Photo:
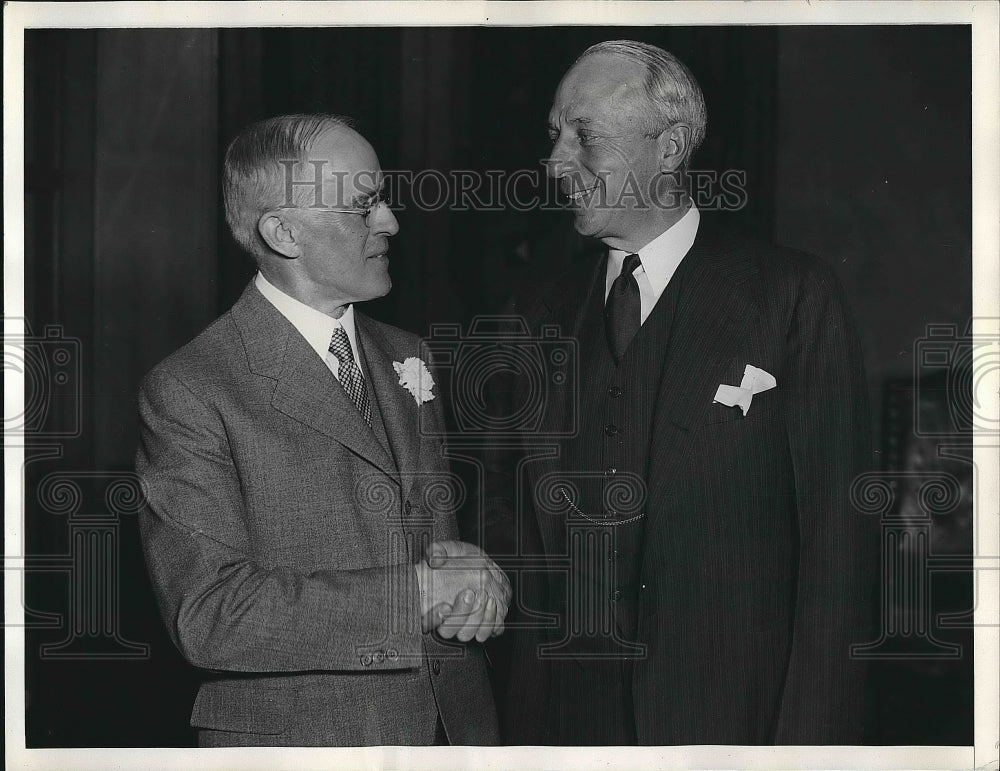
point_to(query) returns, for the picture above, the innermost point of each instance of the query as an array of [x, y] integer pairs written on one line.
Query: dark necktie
[[622, 312], [349, 374]]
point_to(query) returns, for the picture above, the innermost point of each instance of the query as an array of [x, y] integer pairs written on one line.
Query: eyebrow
[[361, 199], [581, 121]]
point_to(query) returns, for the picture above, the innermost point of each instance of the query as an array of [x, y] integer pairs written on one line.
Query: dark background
[[856, 142]]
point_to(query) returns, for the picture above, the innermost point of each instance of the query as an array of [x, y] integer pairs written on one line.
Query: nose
[[384, 221], [561, 159]]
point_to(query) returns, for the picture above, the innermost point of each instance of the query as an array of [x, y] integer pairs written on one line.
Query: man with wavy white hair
[[299, 530], [704, 574]]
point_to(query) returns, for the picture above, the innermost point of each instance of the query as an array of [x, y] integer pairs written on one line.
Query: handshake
[[463, 593]]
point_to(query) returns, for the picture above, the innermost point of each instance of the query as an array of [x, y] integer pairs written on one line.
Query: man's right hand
[[463, 592]]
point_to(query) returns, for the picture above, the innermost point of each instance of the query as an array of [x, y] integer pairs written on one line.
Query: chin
[[381, 288], [380, 280], [585, 226]]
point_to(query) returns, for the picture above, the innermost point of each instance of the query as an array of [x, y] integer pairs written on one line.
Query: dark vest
[[607, 464]]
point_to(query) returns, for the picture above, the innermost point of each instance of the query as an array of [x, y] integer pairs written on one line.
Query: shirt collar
[[315, 326], [661, 256]]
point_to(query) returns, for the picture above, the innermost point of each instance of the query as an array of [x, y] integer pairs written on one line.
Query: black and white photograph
[[514, 385]]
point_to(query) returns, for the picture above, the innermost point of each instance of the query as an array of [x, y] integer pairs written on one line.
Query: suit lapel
[[713, 315], [396, 405], [305, 390]]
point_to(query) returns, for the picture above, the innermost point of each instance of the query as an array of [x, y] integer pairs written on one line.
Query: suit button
[[407, 508], [643, 587], [611, 429], [616, 595], [436, 667], [379, 657], [610, 471], [366, 660], [614, 392], [392, 654]]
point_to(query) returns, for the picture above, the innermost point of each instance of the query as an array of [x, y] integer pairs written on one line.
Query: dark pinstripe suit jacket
[[758, 572], [280, 534]]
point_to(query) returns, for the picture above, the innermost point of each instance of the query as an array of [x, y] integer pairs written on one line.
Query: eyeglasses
[[365, 211]]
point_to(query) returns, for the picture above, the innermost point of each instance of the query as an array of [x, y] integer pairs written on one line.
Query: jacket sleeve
[[223, 609], [828, 429]]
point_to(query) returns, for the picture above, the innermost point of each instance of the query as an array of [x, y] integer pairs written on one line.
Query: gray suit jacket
[[280, 534]]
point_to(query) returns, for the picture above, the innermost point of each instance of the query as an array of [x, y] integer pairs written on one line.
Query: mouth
[[579, 195]]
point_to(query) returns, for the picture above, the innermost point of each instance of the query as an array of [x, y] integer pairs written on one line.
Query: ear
[[278, 234], [673, 145]]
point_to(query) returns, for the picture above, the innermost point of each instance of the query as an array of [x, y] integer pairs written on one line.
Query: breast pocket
[[761, 403]]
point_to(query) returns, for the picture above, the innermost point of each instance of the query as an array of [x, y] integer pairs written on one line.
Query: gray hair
[[252, 176], [672, 92]]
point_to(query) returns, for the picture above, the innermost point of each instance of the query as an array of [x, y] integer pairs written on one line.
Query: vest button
[[610, 471], [616, 595], [614, 392], [611, 429], [436, 667]]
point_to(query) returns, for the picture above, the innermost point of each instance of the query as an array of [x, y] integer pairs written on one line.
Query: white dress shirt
[[659, 258], [315, 326]]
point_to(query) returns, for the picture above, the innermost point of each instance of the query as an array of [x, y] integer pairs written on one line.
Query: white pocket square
[[755, 380]]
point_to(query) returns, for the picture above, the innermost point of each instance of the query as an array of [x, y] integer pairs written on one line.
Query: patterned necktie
[[349, 374], [622, 312]]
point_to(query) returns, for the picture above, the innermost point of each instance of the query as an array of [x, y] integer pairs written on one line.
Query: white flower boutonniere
[[415, 378]]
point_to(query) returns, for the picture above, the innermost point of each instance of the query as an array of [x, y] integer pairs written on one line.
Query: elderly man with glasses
[[301, 548]]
